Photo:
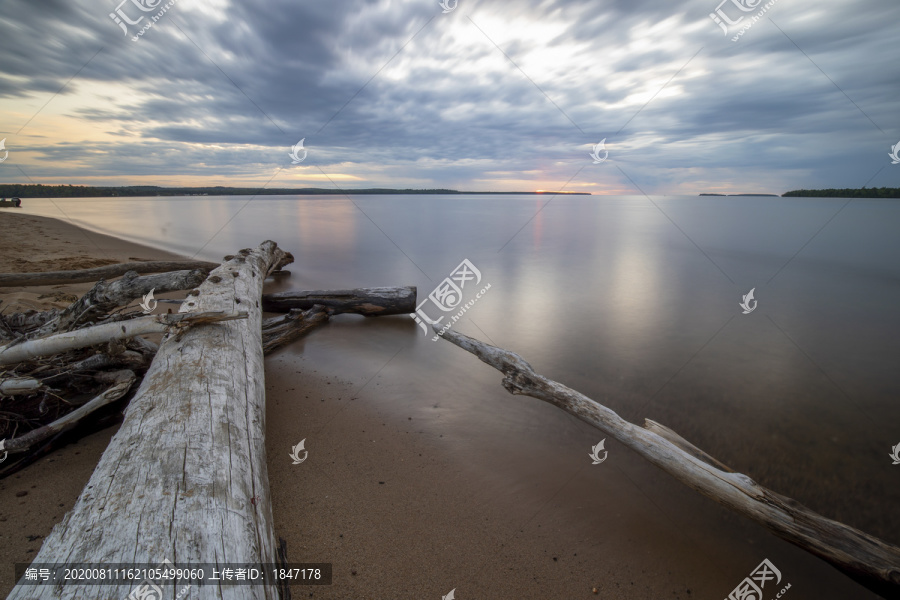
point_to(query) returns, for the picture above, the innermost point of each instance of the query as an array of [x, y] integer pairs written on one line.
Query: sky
[[469, 95]]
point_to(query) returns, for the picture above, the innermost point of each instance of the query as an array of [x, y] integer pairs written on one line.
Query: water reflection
[[608, 296]]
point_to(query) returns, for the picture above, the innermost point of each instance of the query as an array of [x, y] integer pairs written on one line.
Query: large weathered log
[[98, 334], [121, 380], [370, 302], [865, 558], [105, 297], [97, 273], [185, 477]]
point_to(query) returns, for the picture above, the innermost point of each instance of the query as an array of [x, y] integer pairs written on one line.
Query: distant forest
[[80, 191], [16, 190], [882, 192]]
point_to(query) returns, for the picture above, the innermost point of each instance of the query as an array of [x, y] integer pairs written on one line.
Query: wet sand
[[408, 506]]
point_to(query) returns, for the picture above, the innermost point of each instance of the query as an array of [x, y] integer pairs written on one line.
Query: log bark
[[864, 558], [122, 381], [105, 297], [369, 302], [100, 334], [184, 479], [26, 321], [129, 359], [97, 273]]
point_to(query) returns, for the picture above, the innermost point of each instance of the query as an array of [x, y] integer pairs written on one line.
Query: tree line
[[16, 190], [882, 192]]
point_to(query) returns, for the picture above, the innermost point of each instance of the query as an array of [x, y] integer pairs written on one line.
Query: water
[[632, 302]]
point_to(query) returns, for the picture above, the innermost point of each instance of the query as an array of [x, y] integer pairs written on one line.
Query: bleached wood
[[98, 334], [12, 386], [865, 558], [97, 273], [179, 478]]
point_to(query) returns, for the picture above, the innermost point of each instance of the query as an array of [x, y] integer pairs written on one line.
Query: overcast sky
[[488, 96]]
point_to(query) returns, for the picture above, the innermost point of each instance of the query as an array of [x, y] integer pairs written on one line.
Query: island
[[863, 192]]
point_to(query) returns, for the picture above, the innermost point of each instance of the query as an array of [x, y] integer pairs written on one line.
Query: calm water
[[631, 303]]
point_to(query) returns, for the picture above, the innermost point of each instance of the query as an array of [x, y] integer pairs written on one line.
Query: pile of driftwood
[[185, 478], [60, 367]]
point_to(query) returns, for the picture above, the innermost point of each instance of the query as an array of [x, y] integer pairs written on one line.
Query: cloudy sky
[[487, 96]]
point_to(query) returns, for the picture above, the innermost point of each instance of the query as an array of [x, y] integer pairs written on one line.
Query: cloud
[[397, 94]]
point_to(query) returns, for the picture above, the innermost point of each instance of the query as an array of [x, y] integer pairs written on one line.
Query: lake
[[631, 301]]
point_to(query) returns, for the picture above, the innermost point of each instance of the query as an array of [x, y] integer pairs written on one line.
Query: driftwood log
[[97, 273], [184, 479], [98, 334], [122, 381], [369, 302], [868, 560], [106, 297], [280, 331]]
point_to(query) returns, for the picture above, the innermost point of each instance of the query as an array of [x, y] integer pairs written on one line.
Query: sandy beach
[[387, 501]]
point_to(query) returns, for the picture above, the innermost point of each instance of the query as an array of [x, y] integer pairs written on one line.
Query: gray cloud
[[397, 92]]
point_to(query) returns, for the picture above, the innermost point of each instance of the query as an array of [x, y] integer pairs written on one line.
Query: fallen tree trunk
[[98, 334], [864, 558], [121, 380], [184, 479], [105, 297], [97, 273], [369, 302]]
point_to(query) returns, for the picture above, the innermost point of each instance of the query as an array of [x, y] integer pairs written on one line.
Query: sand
[[387, 503]]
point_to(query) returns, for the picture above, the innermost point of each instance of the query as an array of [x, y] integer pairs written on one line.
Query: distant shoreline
[[80, 191], [828, 193]]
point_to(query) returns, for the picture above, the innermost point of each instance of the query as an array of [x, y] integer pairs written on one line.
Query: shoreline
[[404, 505]]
